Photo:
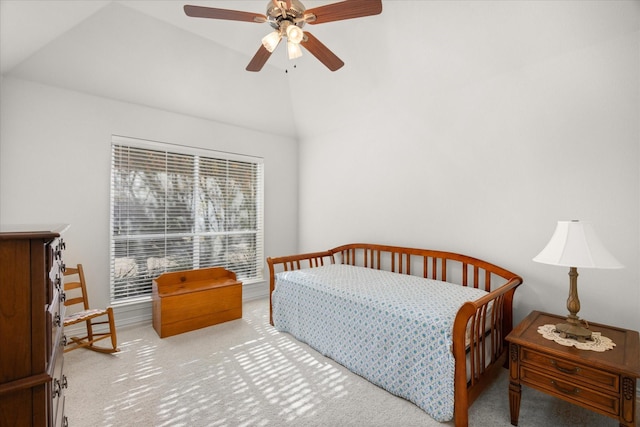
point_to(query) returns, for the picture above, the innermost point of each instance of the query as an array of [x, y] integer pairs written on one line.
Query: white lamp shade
[[575, 244]]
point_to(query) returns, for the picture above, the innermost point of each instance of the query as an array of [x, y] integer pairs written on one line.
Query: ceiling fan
[[287, 17]]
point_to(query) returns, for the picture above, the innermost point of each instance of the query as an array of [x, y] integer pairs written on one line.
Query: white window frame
[[132, 270]]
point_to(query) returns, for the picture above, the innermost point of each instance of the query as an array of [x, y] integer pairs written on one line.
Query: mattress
[[395, 330]]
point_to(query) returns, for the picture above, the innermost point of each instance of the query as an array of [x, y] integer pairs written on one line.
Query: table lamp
[[575, 244]]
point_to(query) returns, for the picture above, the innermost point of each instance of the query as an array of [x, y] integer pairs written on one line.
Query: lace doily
[[597, 342]]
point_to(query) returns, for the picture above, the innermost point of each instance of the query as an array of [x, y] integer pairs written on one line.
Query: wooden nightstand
[[604, 382]]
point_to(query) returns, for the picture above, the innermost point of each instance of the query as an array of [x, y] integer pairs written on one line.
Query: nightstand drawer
[[570, 391], [576, 373]]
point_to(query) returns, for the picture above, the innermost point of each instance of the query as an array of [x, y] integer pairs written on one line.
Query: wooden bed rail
[[436, 265], [296, 262]]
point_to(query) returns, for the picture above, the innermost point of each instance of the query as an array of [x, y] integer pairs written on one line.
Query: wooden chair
[[76, 294]]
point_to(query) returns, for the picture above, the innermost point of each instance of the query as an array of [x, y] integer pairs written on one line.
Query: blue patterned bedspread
[[392, 329]]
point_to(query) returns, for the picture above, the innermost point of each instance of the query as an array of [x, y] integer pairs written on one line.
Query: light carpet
[[245, 373]]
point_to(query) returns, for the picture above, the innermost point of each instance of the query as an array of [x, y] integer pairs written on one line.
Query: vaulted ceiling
[[149, 53]]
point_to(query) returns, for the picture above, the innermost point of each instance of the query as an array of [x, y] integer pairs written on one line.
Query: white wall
[[474, 127], [486, 165], [55, 150]]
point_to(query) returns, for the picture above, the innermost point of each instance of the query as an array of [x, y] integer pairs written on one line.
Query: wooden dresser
[[32, 381]]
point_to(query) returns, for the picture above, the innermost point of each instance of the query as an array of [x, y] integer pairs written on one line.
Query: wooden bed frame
[[449, 267]]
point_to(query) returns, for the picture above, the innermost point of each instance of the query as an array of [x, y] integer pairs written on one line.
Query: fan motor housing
[[275, 14]]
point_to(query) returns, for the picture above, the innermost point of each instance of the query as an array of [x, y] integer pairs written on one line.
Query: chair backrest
[[75, 290]]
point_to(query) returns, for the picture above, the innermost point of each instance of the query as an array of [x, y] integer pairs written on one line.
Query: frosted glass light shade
[[271, 40], [294, 50], [294, 34], [575, 244]]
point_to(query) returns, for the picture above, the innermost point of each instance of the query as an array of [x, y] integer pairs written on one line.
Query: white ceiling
[[149, 52]]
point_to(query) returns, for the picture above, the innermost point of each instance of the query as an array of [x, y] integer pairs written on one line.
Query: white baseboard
[[253, 291]]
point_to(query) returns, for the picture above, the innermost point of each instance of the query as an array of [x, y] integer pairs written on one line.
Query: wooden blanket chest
[[192, 299]]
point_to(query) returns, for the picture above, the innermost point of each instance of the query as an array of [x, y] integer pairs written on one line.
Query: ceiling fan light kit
[[288, 17]]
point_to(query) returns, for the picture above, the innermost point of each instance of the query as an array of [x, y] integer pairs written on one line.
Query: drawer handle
[[57, 390], [564, 390], [565, 370]]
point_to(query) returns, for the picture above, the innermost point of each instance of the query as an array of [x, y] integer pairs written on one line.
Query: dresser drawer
[[58, 384], [576, 373], [55, 266], [55, 318]]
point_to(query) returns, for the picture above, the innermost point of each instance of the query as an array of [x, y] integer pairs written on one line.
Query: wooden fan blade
[[259, 59], [347, 9], [321, 52], [231, 15]]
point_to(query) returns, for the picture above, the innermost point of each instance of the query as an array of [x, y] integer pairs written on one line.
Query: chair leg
[[112, 329], [89, 330]]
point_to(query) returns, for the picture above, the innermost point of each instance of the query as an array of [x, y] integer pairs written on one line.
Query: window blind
[[176, 208]]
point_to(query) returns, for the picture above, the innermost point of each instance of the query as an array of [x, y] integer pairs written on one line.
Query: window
[[176, 208]]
